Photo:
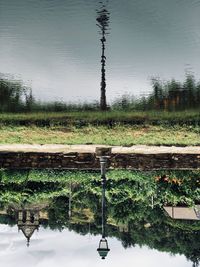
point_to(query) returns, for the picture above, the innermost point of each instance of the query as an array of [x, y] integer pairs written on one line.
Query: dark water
[[146, 218], [54, 45]]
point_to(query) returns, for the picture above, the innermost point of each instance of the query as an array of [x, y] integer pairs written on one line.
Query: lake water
[[54, 46], [57, 218]]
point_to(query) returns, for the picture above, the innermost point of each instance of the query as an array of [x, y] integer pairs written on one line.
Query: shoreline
[[84, 157], [60, 148]]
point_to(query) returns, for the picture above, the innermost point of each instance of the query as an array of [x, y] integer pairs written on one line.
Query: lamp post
[[103, 243], [28, 222], [103, 248], [70, 201], [103, 162], [103, 23]]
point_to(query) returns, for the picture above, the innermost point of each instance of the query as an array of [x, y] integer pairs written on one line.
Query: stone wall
[[78, 160]]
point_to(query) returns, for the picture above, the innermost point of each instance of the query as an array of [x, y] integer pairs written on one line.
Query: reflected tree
[[14, 95], [102, 19]]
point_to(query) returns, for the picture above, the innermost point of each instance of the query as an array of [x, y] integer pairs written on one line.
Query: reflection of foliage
[[129, 195], [170, 95], [12, 95]]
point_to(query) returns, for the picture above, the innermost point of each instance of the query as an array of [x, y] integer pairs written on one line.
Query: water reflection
[[49, 43], [103, 17]]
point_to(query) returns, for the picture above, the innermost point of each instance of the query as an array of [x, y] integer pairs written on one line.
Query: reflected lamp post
[[102, 19], [103, 243]]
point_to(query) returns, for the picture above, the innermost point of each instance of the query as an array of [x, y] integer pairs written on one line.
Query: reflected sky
[[54, 45], [54, 248]]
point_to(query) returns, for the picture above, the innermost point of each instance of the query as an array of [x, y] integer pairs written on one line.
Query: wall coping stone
[[87, 157], [137, 149]]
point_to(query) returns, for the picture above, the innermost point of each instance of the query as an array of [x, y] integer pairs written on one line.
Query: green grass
[[125, 135], [109, 128], [106, 118]]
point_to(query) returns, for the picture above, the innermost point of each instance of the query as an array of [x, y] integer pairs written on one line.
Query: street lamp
[[103, 243], [103, 248], [28, 222], [103, 162], [103, 24]]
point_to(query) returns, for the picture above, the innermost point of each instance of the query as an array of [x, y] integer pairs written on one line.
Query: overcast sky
[[54, 45], [54, 248]]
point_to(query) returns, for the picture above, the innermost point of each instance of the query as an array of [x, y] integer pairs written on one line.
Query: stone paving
[[141, 149]]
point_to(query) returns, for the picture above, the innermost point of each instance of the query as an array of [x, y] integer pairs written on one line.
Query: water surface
[[55, 47]]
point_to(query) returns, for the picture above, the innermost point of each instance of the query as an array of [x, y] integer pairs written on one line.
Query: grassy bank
[[111, 118], [109, 128], [125, 135]]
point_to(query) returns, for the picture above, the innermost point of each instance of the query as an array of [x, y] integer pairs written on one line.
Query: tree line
[[15, 96], [165, 96], [173, 95]]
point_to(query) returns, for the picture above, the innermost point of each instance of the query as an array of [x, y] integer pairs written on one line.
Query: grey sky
[[54, 248], [54, 45]]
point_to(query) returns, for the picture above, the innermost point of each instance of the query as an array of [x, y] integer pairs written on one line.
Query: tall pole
[[102, 23], [103, 104], [103, 244], [103, 161], [70, 201]]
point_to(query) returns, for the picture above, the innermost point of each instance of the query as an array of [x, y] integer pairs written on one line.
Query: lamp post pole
[[103, 244], [103, 17], [103, 162]]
